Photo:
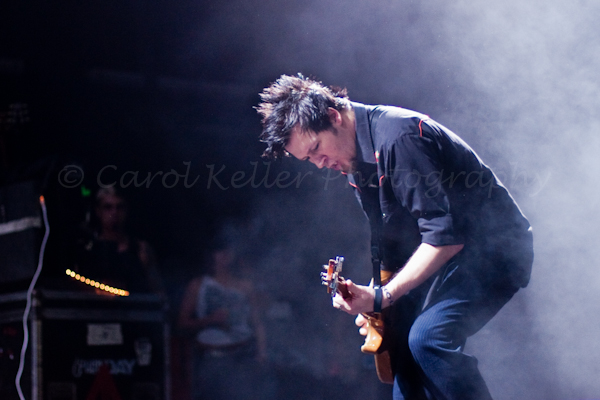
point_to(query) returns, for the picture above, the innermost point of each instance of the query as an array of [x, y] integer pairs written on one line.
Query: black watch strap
[[378, 299]]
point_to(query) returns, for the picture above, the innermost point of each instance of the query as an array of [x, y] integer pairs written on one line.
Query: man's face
[[332, 148], [111, 212]]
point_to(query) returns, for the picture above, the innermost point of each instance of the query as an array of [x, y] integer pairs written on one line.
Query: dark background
[[157, 86]]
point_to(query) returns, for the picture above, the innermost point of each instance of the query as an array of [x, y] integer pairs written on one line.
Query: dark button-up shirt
[[433, 188]]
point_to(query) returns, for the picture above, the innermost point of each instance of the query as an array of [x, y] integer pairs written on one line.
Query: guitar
[[375, 342]]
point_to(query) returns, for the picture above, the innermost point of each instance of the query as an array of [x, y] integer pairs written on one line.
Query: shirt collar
[[364, 140]]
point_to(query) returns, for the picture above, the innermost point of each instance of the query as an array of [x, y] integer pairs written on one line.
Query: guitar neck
[[375, 326]]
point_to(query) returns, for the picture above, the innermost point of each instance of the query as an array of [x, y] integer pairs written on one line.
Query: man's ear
[[334, 116]]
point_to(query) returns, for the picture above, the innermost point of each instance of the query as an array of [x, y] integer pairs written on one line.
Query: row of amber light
[[98, 285]]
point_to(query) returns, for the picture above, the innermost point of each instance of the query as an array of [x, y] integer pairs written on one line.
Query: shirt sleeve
[[413, 168]]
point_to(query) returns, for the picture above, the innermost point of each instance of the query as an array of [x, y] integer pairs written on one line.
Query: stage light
[[101, 286]]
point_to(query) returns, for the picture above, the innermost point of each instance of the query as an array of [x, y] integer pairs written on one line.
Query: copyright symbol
[[70, 176]]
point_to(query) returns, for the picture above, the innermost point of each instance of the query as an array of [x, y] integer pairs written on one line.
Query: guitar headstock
[[331, 276]]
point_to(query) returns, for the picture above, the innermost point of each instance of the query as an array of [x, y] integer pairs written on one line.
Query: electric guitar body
[[377, 340]]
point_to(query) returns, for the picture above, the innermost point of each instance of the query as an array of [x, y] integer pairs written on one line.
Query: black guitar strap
[[369, 198], [367, 183]]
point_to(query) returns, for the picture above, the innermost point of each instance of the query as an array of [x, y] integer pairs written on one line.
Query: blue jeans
[[431, 327]]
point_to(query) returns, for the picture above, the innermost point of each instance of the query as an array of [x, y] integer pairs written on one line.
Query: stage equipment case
[[85, 346]]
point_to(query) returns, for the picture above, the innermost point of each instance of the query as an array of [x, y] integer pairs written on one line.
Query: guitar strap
[[366, 180]]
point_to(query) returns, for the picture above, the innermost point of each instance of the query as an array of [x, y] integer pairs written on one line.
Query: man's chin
[[350, 169]]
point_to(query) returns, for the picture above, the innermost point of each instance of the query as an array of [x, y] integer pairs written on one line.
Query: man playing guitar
[[430, 199]]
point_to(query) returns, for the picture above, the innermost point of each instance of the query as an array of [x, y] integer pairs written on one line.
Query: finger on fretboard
[[343, 289]]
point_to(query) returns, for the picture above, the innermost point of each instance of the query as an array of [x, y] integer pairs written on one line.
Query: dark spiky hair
[[295, 100]]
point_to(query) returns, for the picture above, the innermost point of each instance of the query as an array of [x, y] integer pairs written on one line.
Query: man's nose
[[320, 162]]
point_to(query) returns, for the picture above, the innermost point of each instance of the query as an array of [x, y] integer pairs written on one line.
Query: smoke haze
[[518, 81]]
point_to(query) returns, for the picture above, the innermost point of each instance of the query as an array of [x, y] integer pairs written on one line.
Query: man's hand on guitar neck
[[426, 260], [360, 298]]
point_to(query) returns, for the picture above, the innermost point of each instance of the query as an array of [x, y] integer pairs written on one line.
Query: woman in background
[[220, 311]]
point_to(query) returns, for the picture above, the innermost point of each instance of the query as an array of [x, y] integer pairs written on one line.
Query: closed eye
[[311, 152], [314, 150]]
